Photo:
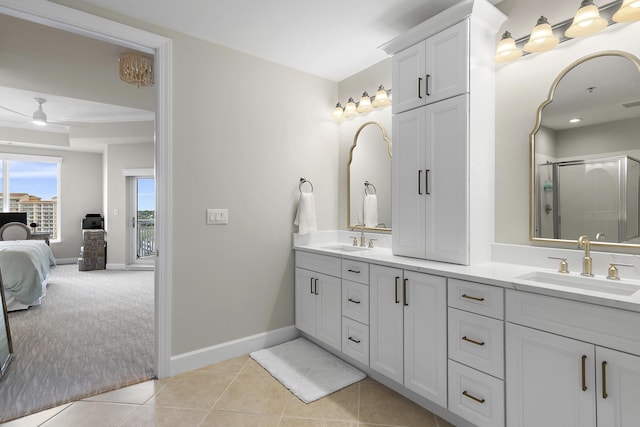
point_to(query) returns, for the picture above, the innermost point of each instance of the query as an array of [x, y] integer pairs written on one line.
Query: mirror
[[369, 179], [6, 347], [585, 154]]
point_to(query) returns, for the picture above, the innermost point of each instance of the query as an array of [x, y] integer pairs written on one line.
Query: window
[[31, 184]]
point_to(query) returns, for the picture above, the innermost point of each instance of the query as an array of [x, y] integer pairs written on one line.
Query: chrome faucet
[[586, 261]]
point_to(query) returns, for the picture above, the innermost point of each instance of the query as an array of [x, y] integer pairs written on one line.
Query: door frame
[[78, 22]]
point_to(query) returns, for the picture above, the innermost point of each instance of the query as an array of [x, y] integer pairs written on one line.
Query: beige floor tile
[[193, 390], [135, 394], [156, 416], [231, 366], [341, 405], [380, 405], [306, 422], [254, 394], [232, 419], [443, 423], [94, 414], [37, 418], [254, 368]]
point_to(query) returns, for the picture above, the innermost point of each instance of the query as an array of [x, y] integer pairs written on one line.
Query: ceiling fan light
[[629, 11], [587, 21], [39, 116], [542, 38]]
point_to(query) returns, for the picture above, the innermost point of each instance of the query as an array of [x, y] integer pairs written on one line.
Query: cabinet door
[[305, 301], [386, 322], [447, 171], [618, 388], [408, 180], [550, 380], [447, 63], [408, 78], [329, 310], [425, 335]]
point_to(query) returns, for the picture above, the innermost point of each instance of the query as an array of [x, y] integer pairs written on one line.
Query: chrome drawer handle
[[354, 340], [470, 396], [354, 301], [354, 271], [472, 297], [472, 341]]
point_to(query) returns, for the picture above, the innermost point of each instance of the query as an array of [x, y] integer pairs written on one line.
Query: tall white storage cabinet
[[443, 135]]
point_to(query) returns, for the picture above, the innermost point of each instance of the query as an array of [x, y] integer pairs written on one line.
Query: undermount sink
[[347, 248], [612, 287]]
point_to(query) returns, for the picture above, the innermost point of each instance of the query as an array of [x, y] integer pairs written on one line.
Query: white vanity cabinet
[[434, 69], [559, 371], [443, 134], [408, 342], [318, 294], [476, 352], [355, 310]]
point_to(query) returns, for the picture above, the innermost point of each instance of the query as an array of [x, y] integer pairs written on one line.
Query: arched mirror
[[585, 153], [369, 179]]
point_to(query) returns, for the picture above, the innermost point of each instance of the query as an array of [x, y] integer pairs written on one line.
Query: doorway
[[141, 248]]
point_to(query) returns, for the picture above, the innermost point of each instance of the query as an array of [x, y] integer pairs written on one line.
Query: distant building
[[42, 212]]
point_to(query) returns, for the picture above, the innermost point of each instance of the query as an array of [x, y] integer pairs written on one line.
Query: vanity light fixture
[[589, 19], [629, 11], [507, 50], [586, 21], [366, 104], [542, 38]]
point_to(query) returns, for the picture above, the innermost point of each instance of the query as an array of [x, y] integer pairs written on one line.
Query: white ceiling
[[329, 38]]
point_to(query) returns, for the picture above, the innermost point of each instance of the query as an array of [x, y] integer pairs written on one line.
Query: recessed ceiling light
[[575, 120]]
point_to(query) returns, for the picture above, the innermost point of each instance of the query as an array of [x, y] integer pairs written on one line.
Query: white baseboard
[[221, 352], [115, 266]]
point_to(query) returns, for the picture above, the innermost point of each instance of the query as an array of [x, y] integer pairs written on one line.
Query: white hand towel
[[370, 210], [306, 216]]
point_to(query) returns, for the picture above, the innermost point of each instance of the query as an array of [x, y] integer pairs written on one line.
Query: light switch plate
[[217, 216]]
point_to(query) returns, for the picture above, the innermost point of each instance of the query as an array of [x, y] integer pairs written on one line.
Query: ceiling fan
[[39, 117]]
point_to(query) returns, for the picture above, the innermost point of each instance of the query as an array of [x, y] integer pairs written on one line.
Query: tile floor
[[237, 392]]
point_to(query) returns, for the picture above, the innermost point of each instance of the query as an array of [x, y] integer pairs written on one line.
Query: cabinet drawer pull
[[404, 292], [427, 84], [426, 181], [397, 300], [419, 88], [353, 301], [472, 341], [354, 340], [311, 285], [584, 374], [420, 182], [470, 396], [354, 271], [472, 297], [604, 380], [316, 283]]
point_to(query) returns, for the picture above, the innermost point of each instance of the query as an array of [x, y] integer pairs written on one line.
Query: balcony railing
[[146, 238]]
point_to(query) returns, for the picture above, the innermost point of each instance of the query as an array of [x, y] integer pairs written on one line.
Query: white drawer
[[476, 297], [605, 326], [476, 397], [321, 263], [355, 301], [477, 341], [356, 271], [355, 340]]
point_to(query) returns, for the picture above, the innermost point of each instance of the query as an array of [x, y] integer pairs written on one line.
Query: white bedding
[[24, 265]]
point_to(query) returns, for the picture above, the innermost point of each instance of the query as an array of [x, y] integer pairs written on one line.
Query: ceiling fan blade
[[16, 112]]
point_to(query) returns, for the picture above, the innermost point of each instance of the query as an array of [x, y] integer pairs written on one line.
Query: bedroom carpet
[[93, 333]]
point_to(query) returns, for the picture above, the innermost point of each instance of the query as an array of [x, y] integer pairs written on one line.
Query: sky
[[146, 194]]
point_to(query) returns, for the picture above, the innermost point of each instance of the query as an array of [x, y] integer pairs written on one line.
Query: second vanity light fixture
[[366, 104], [586, 21]]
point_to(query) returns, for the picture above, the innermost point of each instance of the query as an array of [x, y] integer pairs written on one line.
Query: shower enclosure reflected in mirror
[[6, 347], [369, 179], [585, 177]]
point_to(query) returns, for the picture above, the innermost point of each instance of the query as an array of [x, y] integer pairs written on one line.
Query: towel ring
[[302, 181], [367, 184]]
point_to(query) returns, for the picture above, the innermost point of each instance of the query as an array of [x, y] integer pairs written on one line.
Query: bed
[[25, 266]]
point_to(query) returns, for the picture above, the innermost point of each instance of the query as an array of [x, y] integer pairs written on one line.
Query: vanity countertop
[[506, 275]]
